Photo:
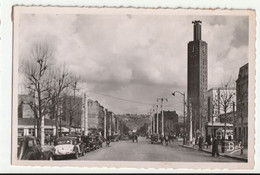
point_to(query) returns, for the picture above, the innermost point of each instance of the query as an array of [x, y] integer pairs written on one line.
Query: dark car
[[155, 138], [93, 143], [86, 140], [29, 148]]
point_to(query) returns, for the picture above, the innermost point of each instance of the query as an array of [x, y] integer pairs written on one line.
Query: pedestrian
[[208, 141], [200, 143], [223, 144], [215, 147], [166, 140], [193, 142], [161, 138]]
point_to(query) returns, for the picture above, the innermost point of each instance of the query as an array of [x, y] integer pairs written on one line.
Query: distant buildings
[[241, 124], [197, 80]]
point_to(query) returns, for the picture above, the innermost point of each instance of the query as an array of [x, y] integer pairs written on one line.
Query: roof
[[30, 121]]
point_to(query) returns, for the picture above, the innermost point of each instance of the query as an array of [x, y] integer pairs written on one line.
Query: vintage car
[[29, 148], [155, 138], [68, 146]]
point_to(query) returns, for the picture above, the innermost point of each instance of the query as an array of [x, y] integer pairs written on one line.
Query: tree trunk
[[225, 125], [38, 128]]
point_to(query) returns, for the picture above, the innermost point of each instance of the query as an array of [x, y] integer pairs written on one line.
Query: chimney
[[197, 30]]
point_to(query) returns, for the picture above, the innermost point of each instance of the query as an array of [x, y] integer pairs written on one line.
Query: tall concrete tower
[[197, 80]]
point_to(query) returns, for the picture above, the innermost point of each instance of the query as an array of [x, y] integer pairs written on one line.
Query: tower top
[[197, 30], [196, 22]]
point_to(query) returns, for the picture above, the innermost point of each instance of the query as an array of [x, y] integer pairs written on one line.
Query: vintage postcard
[[132, 87]]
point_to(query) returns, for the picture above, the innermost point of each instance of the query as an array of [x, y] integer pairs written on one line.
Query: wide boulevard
[[143, 150]]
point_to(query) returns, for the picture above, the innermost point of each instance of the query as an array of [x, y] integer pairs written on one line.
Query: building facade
[[197, 80], [241, 124], [72, 110], [93, 114], [24, 109]]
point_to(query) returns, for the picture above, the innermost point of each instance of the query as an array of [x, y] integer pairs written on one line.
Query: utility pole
[[234, 121], [105, 123], [162, 100], [82, 116], [184, 115], [155, 109], [85, 115]]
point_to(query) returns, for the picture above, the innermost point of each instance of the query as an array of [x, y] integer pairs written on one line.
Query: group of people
[[209, 142], [166, 139]]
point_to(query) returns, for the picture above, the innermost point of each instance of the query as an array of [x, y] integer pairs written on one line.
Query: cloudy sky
[[136, 57]]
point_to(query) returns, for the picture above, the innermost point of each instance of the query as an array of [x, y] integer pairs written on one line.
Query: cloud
[[138, 57]]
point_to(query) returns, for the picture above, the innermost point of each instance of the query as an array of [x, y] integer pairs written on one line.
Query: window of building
[[31, 131]]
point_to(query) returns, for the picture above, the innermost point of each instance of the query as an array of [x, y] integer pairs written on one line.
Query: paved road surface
[[145, 151]]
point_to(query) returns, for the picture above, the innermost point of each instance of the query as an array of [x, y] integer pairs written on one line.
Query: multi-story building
[[109, 122], [101, 119], [93, 115], [24, 109], [72, 110], [241, 124], [197, 80]]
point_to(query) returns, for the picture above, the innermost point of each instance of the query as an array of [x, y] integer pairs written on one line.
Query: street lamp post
[[184, 118], [162, 100]]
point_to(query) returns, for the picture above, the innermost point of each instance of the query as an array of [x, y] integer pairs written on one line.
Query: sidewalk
[[234, 155]]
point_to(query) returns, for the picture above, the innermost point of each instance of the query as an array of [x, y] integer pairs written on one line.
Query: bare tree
[[61, 79], [44, 81], [223, 101], [73, 104], [36, 75]]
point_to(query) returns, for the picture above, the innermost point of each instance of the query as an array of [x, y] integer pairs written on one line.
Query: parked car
[[86, 140], [68, 146], [29, 148], [155, 138], [92, 143]]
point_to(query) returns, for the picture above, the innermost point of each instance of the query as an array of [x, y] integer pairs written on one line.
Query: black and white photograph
[[124, 86]]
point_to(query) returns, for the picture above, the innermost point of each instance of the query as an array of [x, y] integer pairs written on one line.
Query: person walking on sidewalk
[[223, 144], [215, 147], [200, 143]]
